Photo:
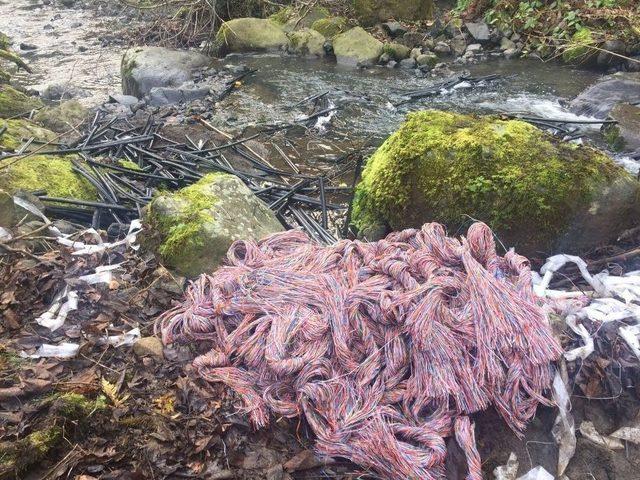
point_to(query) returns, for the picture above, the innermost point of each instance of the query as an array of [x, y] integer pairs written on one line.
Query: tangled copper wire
[[386, 348]]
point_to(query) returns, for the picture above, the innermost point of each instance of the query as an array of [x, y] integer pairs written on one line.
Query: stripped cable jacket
[[386, 347]]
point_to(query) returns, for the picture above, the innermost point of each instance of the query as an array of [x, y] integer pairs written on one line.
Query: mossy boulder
[[624, 135], [370, 12], [292, 19], [192, 229], [249, 34], [14, 103], [537, 193], [396, 51], [356, 47], [19, 131], [64, 117], [331, 26], [306, 42], [49, 173]]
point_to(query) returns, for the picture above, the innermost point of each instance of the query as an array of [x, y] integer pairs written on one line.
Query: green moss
[[129, 164], [283, 15], [580, 46], [182, 233], [331, 26], [396, 51], [249, 34], [19, 455], [52, 174], [306, 42], [14, 103], [4, 76], [64, 117], [613, 137], [18, 131], [441, 166], [73, 406], [4, 41]]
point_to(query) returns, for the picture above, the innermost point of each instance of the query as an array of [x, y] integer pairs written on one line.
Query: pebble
[[442, 48], [408, 63], [474, 48], [149, 347]]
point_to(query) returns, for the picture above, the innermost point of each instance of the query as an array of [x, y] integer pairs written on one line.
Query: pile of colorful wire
[[386, 348]]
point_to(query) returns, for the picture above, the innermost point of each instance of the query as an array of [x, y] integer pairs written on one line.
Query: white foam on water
[[629, 164], [531, 105], [322, 122]]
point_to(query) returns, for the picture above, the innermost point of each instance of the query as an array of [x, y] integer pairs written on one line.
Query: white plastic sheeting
[[616, 299], [612, 299], [64, 350], [125, 339], [563, 430], [538, 473], [65, 302]]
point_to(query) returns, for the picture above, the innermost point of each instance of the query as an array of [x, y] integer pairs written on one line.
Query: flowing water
[[368, 97], [79, 50], [76, 50]]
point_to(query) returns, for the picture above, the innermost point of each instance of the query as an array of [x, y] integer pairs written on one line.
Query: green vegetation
[[579, 47], [14, 103], [18, 131], [283, 15], [569, 27], [75, 407], [66, 412], [331, 26], [129, 164], [181, 233], [441, 166], [50, 173]]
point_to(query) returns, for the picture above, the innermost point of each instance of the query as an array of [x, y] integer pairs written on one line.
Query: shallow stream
[[80, 51]]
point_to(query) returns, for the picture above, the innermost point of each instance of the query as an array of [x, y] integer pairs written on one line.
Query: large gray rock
[[356, 46], [186, 93], [306, 42], [625, 135], [612, 53], [144, 68], [192, 229], [249, 35], [479, 31], [598, 100]]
